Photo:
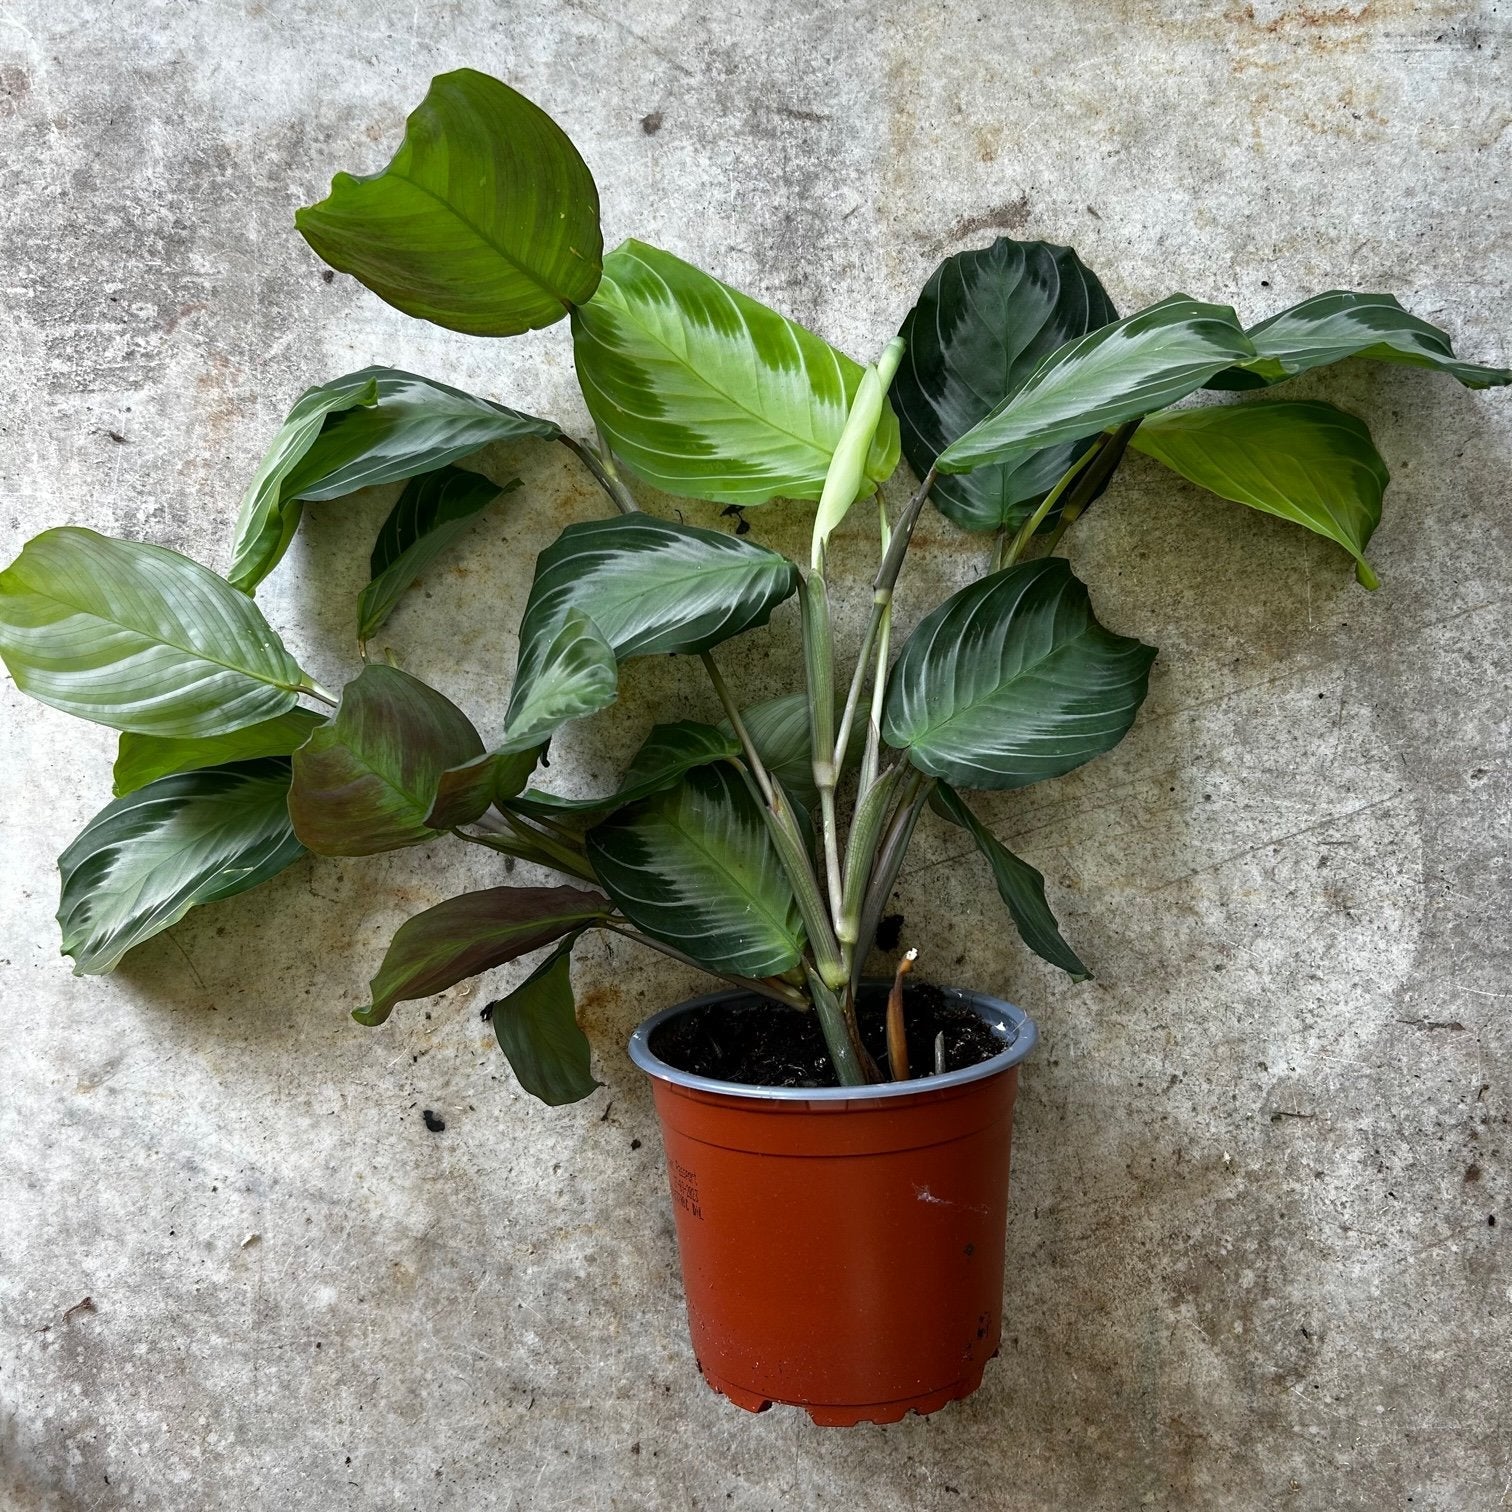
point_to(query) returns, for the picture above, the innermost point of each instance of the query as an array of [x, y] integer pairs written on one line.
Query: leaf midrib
[[160, 640], [538, 279]]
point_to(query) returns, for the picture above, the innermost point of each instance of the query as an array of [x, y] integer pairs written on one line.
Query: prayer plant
[[1013, 389]]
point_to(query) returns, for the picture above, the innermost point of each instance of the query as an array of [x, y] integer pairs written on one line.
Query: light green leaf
[[379, 425], [472, 933], [653, 587], [486, 221], [1304, 461], [141, 759], [984, 323], [563, 674], [1019, 885], [537, 1029], [1012, 680], [145, 860], [366, 781], [1111, 375], [432, 513], [694, 866], [1331, 327], [139, 638], [708, 394]]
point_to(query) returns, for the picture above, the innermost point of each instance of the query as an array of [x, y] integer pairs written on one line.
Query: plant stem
[[882, 592], [768, 987], [844, 1047], [1080, 496], [897, 1030], [605, 474], [743, 735], [872, 759], [527, 845], [312, 689], [888, 864], [819, 668], [1003, 559]]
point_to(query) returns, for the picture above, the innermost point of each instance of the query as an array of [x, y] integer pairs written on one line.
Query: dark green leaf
[[537, 1029], [433, 512], [668, 752], [376, 426], [1111, 375], [653, 587], [145, 860], [1337, 325], [1020, 886], [366, 781], [269, 516], [139, 638], [984, 322], [779, 729], [1012, 680], [708, 394], [486, 221], [141, 759], [694, 866], [1304, 461], [472, 933]]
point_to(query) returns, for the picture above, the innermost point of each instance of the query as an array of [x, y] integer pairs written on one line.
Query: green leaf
[[1019, 885], [379, 425], [708, 394], [1331, 327], [266, 522], [537, 1029], [694, 867], [472, 933], [780, 730], [433, 513], [984, 323], [669, 751], [1012, 680], [145, 860], [486, 221], [141, 759], [138, 638], [366, 781], [564, 674], [653, 587], [1304, 461], [465, 793], [1111, 375]]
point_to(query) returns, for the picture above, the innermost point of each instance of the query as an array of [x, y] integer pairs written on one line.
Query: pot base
[[833, 1415]]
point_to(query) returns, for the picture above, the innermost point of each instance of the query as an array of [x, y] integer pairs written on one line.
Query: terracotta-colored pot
[[842, 1248]]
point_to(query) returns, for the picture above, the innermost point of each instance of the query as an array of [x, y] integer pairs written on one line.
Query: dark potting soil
[[764, 1044]]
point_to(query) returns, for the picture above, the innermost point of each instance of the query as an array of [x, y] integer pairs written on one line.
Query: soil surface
[[764, 1044]]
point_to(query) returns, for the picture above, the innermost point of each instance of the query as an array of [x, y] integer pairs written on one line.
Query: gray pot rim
[[1018, 1032]]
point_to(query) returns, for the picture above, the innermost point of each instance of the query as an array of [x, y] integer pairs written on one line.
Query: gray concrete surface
[[1252, 1259]]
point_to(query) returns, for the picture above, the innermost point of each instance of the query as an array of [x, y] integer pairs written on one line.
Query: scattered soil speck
[[652, 123]]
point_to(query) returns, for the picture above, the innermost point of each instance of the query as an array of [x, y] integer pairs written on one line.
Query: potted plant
[[837, 1147]]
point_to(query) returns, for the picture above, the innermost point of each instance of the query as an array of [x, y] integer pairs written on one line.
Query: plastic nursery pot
[[842, 1248]]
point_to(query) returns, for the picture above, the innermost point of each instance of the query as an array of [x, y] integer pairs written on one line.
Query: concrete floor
[[1253, 1261]]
